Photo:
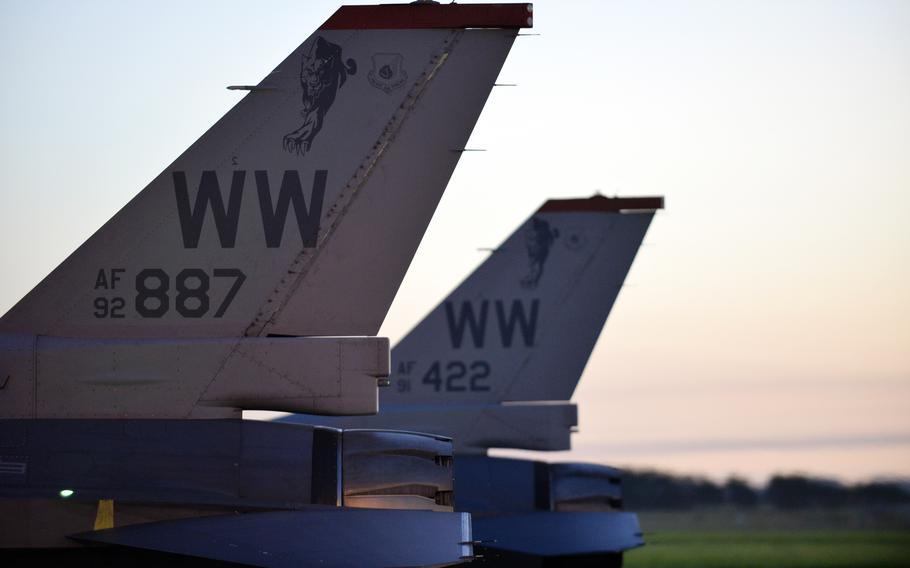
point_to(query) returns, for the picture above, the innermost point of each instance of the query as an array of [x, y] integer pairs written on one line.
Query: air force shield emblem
[[387, 73]]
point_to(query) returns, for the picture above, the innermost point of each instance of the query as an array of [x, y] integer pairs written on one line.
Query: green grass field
[[762, 549]]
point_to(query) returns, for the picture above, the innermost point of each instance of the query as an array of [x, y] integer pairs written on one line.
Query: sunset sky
[[765, 325]]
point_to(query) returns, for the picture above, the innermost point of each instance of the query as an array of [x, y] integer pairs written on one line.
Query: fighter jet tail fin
[[290, 222], [522, 326], [299, 211], [495, 363]]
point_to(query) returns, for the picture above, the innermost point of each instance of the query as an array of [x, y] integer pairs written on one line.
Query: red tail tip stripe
[[430, 16], [602, 204]]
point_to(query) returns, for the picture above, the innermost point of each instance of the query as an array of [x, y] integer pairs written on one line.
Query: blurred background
[[765, 326]]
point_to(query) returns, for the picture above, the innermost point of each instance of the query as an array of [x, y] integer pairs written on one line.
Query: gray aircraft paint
[[546, 509], [527, 320], [244, 464], [495, 364], [530, 314], [296, 214], [53, 377], [300, 225], [280, 539], [237, 280]]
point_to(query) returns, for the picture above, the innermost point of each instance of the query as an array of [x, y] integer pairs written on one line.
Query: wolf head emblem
[[322, 74], [539, 238]]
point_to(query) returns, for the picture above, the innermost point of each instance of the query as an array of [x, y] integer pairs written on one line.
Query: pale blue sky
[[770, 302]]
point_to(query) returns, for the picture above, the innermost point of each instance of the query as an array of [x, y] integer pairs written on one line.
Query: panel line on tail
[[302, 263]]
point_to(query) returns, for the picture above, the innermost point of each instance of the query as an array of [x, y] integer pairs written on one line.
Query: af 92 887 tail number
[[157, 293]]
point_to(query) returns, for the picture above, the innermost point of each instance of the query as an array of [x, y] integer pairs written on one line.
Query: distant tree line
[[643, 490]]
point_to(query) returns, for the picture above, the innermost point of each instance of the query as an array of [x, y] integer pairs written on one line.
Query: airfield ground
[[726, 538], [759, 549]]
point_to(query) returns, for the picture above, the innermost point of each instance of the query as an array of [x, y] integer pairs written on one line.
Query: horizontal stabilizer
[[52, 377], [330, 538], [474, 428]]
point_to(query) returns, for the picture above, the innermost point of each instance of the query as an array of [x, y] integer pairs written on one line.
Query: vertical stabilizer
[[495, 363], [295, 215], [299, 211], [522, 326]]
